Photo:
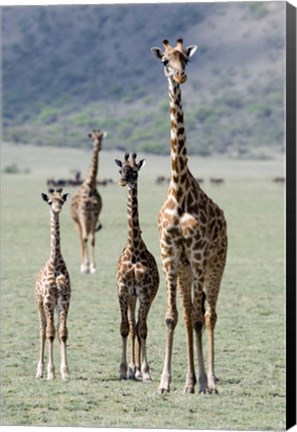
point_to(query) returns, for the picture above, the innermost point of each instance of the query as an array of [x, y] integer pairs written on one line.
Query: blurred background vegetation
[[69, 69]]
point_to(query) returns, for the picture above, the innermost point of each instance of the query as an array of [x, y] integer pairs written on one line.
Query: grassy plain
[[250, 346]]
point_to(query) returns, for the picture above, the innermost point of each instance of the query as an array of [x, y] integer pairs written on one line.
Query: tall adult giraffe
[[193, 238], [86, 206]]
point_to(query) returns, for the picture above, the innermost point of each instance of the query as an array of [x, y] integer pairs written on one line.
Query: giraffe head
[[97, 137], [55, 199], [129, 169], [175, 59]]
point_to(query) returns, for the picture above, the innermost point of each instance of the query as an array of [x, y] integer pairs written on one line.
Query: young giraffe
[[137, 277], [52, 291], [193, 239], [86, 206]]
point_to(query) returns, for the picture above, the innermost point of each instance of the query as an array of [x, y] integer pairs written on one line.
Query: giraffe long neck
[[55, 252], [134, 232], [93, 169], [179, 158]]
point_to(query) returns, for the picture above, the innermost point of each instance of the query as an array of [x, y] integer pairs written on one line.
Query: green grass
[[250, 351]]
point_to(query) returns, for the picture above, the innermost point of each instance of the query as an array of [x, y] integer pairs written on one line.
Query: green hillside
[[68, 69]]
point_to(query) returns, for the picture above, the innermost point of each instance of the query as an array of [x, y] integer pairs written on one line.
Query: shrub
[[11, 169]]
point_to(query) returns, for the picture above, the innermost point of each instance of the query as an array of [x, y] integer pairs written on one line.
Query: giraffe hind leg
[[42, 319]]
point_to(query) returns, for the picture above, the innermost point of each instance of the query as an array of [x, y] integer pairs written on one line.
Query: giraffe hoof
[[203, 390], [189, 389], [138, 375], [51, 376], [93, 270], [84, 268], [146, 377], [213, 391], [65, 373], [132, 373], [164, 387]]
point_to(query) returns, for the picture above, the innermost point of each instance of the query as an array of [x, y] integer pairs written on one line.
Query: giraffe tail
[[98, 228], [203, 302]]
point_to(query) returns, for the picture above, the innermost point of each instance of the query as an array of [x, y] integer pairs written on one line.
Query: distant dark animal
[[216, 180], [199, 180], [278, 180], [105, 182], [162, 179], [56, 183]]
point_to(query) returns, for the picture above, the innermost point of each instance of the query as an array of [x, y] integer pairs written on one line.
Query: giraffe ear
[[190, 50], [65, 197], [118, 162], [44, 197], [140, 164], [157, 52]]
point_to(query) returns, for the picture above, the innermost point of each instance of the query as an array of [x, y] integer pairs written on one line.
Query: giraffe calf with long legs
[[137, 278], [52, 292]]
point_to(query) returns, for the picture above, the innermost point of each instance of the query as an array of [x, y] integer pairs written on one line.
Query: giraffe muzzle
[[123, 182], [180, 78]]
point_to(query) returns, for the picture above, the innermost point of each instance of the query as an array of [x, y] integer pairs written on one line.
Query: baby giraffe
[[137, 277], [52, 292]]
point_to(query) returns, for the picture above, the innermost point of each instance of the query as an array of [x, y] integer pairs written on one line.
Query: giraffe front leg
[[83, 245], [92, 262], [132, 333], [63, 336], [85, 261], [213, 279], [50, 336], [171, 319], [184, 288], [210, 320], [42, 319], [142, 336], [198, 320], [124, 330], [85, 264]]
